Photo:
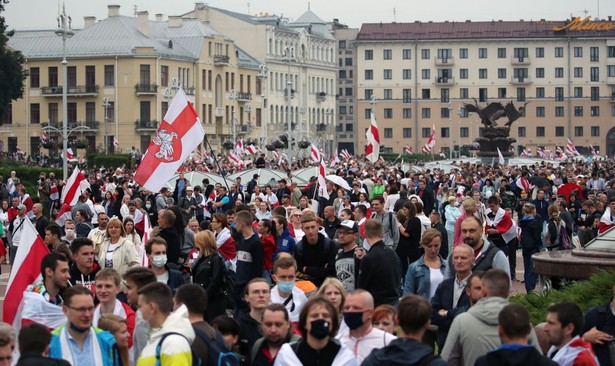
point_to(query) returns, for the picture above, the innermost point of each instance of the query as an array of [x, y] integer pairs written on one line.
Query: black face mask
[[353, 319], [319, 329]]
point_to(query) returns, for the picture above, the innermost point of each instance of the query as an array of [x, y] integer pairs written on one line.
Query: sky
[[41, 14]]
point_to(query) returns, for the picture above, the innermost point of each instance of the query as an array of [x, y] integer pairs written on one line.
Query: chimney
[[175, 21], [88, 21], [159, 17], [200, 10], [114, 10], [142, 23]]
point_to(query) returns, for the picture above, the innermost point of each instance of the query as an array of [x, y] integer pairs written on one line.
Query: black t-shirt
[[311, 357], [250, 256]]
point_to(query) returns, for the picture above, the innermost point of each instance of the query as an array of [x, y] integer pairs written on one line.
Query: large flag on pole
[[75, 185], [408, 150], [25, 270], [372, 151], [179, 133], [315, 153], [570, 149], [334, 159], [431, 142], [500, 157], [322, 183]]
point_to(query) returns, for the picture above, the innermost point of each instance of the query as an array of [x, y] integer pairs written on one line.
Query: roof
[[245, 60], [471, 30], [312, 22]]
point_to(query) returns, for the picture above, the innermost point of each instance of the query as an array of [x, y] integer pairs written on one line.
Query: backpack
[[217, 353], [558, 228], [196, 361], [374, 214]]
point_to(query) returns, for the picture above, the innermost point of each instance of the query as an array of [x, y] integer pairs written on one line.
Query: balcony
[[73, 91], [90, 126], [445, 81], [612, 97], [146, 89], [244, 129], [146, 126], [244, 97], [189, 91], [321, 97], [520, 80], [219, 112], [221, 60], [610, 80], [520, 60], [444, 61]]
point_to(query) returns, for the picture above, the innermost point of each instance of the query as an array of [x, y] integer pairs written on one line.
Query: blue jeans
[[530, 277]]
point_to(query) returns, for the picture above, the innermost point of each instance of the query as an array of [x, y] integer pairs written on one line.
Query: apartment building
[[422, 74], [347, 133], [122, 74]]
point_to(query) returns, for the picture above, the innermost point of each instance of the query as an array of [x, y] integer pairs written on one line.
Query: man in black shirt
[[331, 222], [250, 254], [315, 254], [346, 263], [257, 295]]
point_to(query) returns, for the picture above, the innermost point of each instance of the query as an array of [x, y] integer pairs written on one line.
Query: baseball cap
[[21, 206], [349, 225], [189, 188]]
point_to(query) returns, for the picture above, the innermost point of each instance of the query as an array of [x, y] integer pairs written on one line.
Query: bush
[[109, 160], [597, 290], [28, 175]]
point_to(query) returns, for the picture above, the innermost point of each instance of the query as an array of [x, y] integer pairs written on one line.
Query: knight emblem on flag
[[166, 145]]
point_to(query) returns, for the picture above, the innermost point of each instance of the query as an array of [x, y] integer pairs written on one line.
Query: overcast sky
[[41, 14]]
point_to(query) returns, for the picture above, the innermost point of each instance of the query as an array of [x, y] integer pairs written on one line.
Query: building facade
[[122, 75], [422, 74], [347, 133]]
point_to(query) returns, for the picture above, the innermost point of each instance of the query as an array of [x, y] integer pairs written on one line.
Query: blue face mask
[[286, 286]]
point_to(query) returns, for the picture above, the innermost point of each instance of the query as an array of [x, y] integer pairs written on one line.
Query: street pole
[[450, 131], [64, 30], [288, 51], [106, 104], [262, 76], [234, 99]]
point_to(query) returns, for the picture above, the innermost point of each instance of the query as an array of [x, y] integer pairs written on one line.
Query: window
[[482, 53], [53, 75], [407, 95], [369, 93], [369, 54], [578, 52], [348, 61], [341, 44], [559, 72], [145, 111], [425, 74], [444, 132], [407, 74], [463, 73], [426, 93], [406, 54], [388, 94], [521, 53], [463, 113], [388, 133], [388, 113], [72, 112], [368, 113], [445, 95], [464, 132], [482, 94], [426, 112], [369, 74], [144, 74], [540, 131], [540, 52], [35, 77], [463, 53], [501, 52], [406, 132], [559, 94], [595, 111], [594, 54], [425, 132], [444, 113], [90, 111], [559, 111], [387, 54], [425, 54], [595, 131], [52, 110], [559, 52], [595, 93], [501, 92], [540, 92], [540, 72], [348, 92], [521, 131], [35, 113], [540, 111], [464, 93], [342, 109], [520, 94], [559, 131], [407, 113], [610, 51], [110, 117], [578, 92], [578, 72], [110, 75], [501, 73], [594, 74], [388, 74], [610, 71], [342, 74], [445, 54]]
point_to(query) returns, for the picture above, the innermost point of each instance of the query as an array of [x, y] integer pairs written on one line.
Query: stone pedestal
[[492, 139]]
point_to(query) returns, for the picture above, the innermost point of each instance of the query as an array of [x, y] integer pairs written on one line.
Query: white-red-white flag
[[345, 154], [239, 147], [260, 151], [441, 153], [408, 150], [372, 151], [322, 183], [44, 136], [334, 159], [431, 142], [276, 155], [559, 153], [25, 270], [75, 185], [251, 150], [541, 153], [315, 153], [593, 150], [234, 158], [570, 149], [179, 133], [500, 157], [70, 155]]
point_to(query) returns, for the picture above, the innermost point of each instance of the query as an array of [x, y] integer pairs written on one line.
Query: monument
[[495, 136]]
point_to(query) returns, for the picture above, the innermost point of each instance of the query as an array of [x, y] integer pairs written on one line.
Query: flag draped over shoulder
[[25, 270], [372, 151], [180, 132], [75, 185]]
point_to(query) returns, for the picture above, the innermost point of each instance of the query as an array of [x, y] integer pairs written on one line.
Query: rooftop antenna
[[309, 6], [136, 8], [394, 16]]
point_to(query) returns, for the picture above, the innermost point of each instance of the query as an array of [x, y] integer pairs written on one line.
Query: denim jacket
[[417, 278]]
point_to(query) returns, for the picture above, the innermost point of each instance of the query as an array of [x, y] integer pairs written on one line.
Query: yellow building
[[123, 73]]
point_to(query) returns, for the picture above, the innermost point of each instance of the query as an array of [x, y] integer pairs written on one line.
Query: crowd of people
[[403, 268]]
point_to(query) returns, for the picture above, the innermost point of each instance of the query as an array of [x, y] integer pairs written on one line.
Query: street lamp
[[234, 121], [450, 131], [106, 104], [64, 30], [288, 57], [262, 76]]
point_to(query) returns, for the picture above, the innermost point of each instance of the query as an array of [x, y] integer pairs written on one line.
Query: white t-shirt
[[362, 347], [109, 256], [435, 278]]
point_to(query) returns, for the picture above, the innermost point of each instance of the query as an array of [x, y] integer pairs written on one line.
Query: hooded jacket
[[475, 332], [175, 350], [402, 351]]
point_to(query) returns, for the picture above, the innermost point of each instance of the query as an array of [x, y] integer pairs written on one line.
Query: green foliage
[[27, 175], [109, 160], [597, 290], [12, 73]]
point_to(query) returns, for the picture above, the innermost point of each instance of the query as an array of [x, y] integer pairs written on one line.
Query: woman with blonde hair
[[333, 290], [116, 325], [117, 251], [209, 271]]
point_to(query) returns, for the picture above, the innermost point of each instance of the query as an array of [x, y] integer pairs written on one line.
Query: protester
[[209, 271]]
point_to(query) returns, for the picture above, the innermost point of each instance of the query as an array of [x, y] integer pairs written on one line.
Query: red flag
[[408, 150], [322, 184], [251, 149], [75, 185], [431, 142], [180, 132], [372, 151], [570, 149], [25, 270], [315, 153]]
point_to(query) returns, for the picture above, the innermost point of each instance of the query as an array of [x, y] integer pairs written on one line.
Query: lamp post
[[64, 30], [262, 76], [234, 121], [106, 104], [288, 57], [450, 131]]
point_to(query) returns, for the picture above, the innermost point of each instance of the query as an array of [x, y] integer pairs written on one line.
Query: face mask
[[320, 329], [77, 329], [70, 232], [159, 261], [353, 319], [286, 286], [148, 206]]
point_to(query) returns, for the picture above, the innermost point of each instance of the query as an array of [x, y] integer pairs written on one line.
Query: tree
[[12, 74]]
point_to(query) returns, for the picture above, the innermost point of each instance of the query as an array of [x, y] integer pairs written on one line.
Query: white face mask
[[159, 261], [70, 232]]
